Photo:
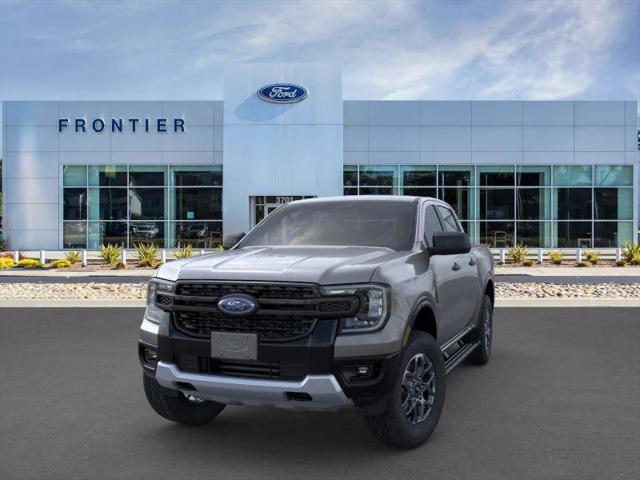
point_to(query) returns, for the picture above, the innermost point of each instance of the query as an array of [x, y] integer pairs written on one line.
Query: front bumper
[[314, 392], [303, 374]]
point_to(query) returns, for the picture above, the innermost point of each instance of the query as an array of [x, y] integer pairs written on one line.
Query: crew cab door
[[456, 276]]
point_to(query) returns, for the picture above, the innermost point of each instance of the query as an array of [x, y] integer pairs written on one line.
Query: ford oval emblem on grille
[[237, 305]]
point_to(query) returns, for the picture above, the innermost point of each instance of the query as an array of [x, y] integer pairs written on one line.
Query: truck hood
[[322, 265]]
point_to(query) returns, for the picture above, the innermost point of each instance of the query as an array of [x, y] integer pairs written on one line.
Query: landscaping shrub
[[592, 256], [582, 263], [110, 253], [220, 248], [528, 263], [73, 257], [631, 253], [556, 256], [621, 263], [518, 253], [184, 252], [21, 255], [62, 263], [29, 263], [6, 263], [147, 254]]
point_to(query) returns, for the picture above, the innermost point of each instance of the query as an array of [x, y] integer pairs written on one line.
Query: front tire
[[179, 408], [417, 398], [483, 334]]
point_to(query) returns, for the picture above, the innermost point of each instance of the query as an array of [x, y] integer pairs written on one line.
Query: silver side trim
[[324, 390], [149, 332]]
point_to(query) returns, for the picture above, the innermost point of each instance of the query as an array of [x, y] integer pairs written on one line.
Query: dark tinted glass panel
[[530, 233], [146, 232], [496, 204], [198, 234], [108, 176], [418, 178], [113, 204], [448, 220], [197, 179], [75, 203], [75, 234], [458, 198], [376, 191], [574, 203], [606, 203], [529, 202], [574, 234], [146, 203], [432, 224], [458, 179], [198, 203], [496, 179], [465, 227], [378, 177], [107, 232], [606, 235], [420, 192], [146, 179], [533, 178], [350, 177], [351, 191], [496, 234], [369, 223]]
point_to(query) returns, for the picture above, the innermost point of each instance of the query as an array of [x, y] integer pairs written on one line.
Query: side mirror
[[450, 243], [231, 240]]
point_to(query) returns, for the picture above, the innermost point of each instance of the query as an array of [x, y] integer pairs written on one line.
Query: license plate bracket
[[234, 346]]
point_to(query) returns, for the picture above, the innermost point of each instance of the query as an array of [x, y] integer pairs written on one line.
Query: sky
[[452, 49]]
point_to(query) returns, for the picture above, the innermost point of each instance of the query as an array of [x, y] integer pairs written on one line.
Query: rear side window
[[431, 224], [449, 222]]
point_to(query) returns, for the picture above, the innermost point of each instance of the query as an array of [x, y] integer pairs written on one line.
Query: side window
[[448, 220], [431, 224]]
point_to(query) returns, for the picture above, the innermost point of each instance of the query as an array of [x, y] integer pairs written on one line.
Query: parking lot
[[558, 400]]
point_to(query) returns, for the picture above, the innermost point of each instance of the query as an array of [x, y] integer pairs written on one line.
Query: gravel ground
[[120, 291]]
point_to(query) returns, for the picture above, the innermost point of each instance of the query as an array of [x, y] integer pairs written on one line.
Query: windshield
[[364, 223]]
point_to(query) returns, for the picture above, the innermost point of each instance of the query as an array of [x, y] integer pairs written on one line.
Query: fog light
[[149, 357], [364, 371]]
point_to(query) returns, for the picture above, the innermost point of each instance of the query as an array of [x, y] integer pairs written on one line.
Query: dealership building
[[544, 173]]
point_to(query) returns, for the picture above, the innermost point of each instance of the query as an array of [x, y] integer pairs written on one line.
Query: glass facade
[[540, 206], [128, 205]]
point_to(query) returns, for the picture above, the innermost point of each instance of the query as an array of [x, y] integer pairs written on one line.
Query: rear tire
[[179, 408], [483, 334], [417, 398]]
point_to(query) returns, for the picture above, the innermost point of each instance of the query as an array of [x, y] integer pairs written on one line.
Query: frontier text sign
[[98, 125]]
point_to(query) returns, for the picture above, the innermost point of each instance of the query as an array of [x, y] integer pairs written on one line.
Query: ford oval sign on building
[[283, 93]]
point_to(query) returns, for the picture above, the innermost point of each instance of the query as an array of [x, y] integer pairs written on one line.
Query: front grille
[[268, 327], [285, 312]]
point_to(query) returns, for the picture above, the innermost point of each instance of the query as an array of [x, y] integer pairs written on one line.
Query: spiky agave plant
[[110, 253], [147, 254], [518, 253]]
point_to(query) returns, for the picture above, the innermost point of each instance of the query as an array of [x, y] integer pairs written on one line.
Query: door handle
[[472, 261], [456, 266]]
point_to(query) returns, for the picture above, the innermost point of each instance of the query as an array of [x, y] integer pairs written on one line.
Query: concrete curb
[[15, 272], [500, 303], [612, 272]]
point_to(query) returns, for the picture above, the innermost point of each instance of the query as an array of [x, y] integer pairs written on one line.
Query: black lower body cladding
[[367, 381]]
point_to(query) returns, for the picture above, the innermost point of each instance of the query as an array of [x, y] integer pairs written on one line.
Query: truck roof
[[363, 198]]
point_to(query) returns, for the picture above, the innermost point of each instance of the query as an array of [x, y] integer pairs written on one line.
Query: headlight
[[153, 312], [373, 307]]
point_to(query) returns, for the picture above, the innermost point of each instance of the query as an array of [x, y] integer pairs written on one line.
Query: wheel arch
[[423, 318], [489, 290]]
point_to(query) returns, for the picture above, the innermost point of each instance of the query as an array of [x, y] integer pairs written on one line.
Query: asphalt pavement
[[559, 400]]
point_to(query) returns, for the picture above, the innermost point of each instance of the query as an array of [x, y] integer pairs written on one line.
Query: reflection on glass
[[376, 191], [460, 199], [75, 204], [146, 203], [146, 232], [455, 175], [533, 176], [380, 175], [196, 234], [107, 175], [572, 175], [496, 204], [496, 175], [350, 191], [146, 175], [418, 176], [74, 176], [533, 203], [107, 232], [613, 203], [574, 234], [573, 203], [197, 203], [196, 176], [533, 234], [74, 235], [420, 191], [614, 175], [350, 176], [107, 204], [497, 234], [612, 234]]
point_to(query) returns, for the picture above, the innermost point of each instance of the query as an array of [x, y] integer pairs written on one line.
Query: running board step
[[454, 360]]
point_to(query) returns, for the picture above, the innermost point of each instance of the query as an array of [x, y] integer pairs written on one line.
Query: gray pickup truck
[[329, 303]]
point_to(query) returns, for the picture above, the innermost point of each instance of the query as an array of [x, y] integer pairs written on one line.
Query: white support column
[[42, 257], [16, 256], [578, 254], [163, 256], [618, 254], [503, 256], [123, 257], [540, 255], [84, 258], [201, 252]]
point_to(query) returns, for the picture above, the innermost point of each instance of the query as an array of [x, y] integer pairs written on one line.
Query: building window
[[129, 205], [564, 206]]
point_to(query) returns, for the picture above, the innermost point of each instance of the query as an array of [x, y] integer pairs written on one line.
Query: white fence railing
[[541, 255]]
